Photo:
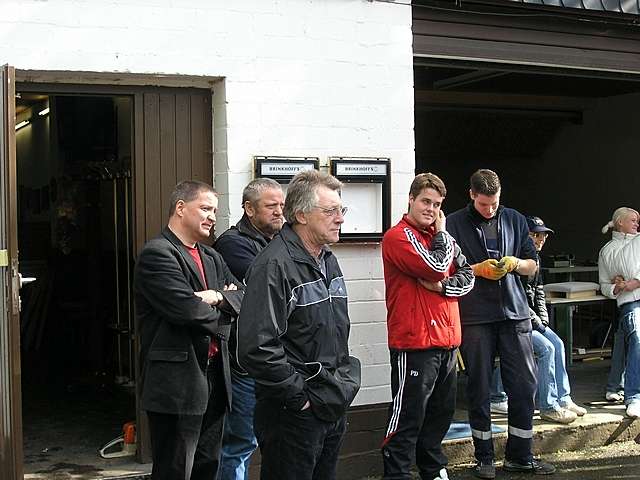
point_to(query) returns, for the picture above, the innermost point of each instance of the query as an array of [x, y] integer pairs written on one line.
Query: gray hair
[[618, 214], [302, 192], [255, 188], [187, 191]]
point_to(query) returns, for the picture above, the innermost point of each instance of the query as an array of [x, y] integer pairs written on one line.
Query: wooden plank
[[167, 107], [474, 49], [573, 295], [201, 154], [538, 36], [543, 102], [183, 137], [138, 194], [152, 167], [524, 20]]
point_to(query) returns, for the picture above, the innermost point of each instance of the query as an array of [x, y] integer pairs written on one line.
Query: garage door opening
[[74, 162], [563, 144]]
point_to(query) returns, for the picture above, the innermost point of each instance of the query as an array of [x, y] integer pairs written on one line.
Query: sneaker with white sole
[[561, 415], [633, 410], [501, 408], [614, 396], [577, 409], [443, 475]]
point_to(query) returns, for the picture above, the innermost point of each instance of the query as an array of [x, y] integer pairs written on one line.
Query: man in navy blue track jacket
[[495, 321]]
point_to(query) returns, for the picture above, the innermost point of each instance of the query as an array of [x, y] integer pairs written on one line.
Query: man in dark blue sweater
[[495, 321], [262, 201]]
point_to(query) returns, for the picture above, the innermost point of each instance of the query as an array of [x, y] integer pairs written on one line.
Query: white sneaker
[[501, 408], [577, 409], [633, 410], [614, 396], [443, 475], [562, 415]]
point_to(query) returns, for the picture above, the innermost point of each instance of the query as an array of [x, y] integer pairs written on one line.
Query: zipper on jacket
[[502, 252]]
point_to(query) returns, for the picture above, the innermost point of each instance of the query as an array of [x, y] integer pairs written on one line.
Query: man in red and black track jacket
[[424, 272]]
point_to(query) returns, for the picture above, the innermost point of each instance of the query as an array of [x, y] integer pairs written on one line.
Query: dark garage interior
[[74, 228], [562, 142]]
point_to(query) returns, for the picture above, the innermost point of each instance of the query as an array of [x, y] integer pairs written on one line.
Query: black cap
[[537, 225]]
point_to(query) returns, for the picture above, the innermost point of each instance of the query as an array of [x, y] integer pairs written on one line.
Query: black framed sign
[[367, 193], [283, 169]]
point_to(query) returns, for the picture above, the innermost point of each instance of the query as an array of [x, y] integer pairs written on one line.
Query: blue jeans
[[553, 380], [615, 381], [239, 441], [630, 325]]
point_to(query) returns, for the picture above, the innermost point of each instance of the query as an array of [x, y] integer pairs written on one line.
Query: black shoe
[[485, 470], [536, 467]]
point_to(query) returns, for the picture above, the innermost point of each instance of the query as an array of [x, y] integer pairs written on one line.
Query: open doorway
[[562, 142], [74, 164]]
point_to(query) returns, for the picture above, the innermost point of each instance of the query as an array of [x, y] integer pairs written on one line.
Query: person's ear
[[301, 218], [180, 208], [249, 210], [472, 195]]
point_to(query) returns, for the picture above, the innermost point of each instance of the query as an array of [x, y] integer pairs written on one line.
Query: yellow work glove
[[510, 263], [490, 269]]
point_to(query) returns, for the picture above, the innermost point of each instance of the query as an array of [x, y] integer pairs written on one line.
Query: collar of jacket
[[622, 236], [430, 231], [172, 237], [479, 219], [169, 235], [245, 227], [297, 249]]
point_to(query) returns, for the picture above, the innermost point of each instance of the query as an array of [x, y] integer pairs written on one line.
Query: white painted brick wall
[[300, 77]]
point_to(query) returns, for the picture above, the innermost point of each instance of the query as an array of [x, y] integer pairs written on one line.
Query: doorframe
[[83, 84], [11, 454]]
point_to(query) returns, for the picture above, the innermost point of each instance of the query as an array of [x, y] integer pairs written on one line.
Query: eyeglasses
[[333, 212]]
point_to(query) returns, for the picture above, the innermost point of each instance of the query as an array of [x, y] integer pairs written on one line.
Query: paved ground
[[616, 461], [598, 446], [50, 457]]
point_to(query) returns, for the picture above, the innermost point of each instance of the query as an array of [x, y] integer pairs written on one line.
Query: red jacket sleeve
[[402, 249]]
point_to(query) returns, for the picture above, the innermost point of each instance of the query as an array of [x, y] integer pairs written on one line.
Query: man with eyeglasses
[[425, 273], [262, 201], [293, 337]]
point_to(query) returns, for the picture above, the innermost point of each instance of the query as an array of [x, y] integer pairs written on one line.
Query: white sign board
[[361, 169], [365, 207], [280, 169]]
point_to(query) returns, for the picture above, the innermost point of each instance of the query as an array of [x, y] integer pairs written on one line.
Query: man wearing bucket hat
[[554, 391]]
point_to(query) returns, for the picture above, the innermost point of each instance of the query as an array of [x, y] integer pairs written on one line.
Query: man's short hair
[[427, 180], [255, 188], [302, 192], [187, 191], [485, 182]]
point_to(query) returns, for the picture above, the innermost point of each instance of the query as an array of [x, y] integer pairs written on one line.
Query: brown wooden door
[[173, 142], [10, 397]]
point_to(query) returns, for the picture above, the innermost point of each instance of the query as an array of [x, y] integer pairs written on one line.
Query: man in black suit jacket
[[183, 322]]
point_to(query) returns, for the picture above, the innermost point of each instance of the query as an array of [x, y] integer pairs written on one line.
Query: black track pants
[[423, 385]]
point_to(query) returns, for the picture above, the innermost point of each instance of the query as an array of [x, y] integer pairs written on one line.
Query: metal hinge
[[4, 258]]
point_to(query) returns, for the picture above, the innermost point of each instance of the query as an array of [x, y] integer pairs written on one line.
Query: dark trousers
[[423, 386], [187, 447], [296, 445], [511, 340]]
